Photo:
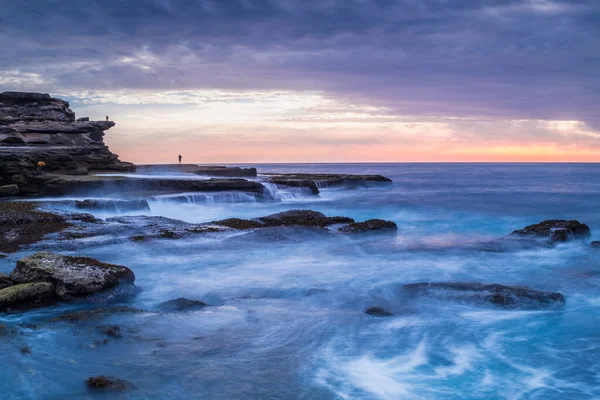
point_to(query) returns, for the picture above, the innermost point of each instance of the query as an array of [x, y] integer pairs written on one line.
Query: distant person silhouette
[[180, 159], [107, 117]]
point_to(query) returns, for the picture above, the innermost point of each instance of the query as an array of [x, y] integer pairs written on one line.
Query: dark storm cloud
[[501, 59]]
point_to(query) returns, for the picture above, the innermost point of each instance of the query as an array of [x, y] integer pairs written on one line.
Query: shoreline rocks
[[224, 171], [22, 223], [45, 275], [40, 137]]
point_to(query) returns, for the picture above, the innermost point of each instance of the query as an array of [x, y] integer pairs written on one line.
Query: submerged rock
[[110, 330], [492, 294], [72, 276], [555, 230], [107, 383], [95, 313], [596, 244], [370, 226], [378, 312], [181, 304]]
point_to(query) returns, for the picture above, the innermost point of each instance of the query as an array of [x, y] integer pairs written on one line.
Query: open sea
[[286, 318]]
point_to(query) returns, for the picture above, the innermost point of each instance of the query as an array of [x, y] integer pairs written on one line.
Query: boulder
[[72, 276], [107, 383], [238, 223], [555, 230], [371, 225], [25, 293], [9, 190], [5, 281], [181, 304], [509, 297], [378, 312], [302, 218]]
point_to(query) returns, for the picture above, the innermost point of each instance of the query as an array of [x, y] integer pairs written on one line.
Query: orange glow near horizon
[[296, 127]]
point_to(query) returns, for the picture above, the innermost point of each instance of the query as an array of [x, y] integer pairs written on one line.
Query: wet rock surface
[[509, 297], [103, 383], [303, 218], [22, 223], [31, 293], [330, 179], [555, 230], [72, 276], [370, 226]]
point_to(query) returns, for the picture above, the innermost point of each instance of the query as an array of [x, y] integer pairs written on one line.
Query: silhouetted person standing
[[107, 117], [179, 159]]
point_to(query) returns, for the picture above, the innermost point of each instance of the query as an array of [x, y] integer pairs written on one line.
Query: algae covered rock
[[72, 276], [25, 293]]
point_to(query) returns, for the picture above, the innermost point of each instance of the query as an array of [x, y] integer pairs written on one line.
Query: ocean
[[286, 306]]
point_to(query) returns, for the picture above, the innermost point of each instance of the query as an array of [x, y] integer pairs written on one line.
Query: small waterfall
[[281, 193], [322, 184], [208, 198]]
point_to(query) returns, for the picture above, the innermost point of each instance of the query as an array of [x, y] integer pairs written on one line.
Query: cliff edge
[[34, 128]]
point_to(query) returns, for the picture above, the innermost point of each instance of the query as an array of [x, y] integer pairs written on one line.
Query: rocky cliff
[[36, 127]]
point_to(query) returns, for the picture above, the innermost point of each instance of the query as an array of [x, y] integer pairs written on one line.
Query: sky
[[250, 81]]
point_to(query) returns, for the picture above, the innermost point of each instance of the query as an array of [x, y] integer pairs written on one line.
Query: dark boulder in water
[[181, 304], [34, 293], [493, 294], [371, 225], [378, 312], [107, 383], [72, 276], [238, 223], [555, 230], [303, 218]]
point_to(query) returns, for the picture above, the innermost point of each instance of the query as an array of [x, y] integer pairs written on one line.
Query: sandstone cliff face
[[36, 127]]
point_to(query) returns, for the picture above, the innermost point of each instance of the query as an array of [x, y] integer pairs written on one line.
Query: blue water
[[286, 319]]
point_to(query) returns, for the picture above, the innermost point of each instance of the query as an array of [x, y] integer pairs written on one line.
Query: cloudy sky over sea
[[327, 80]]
